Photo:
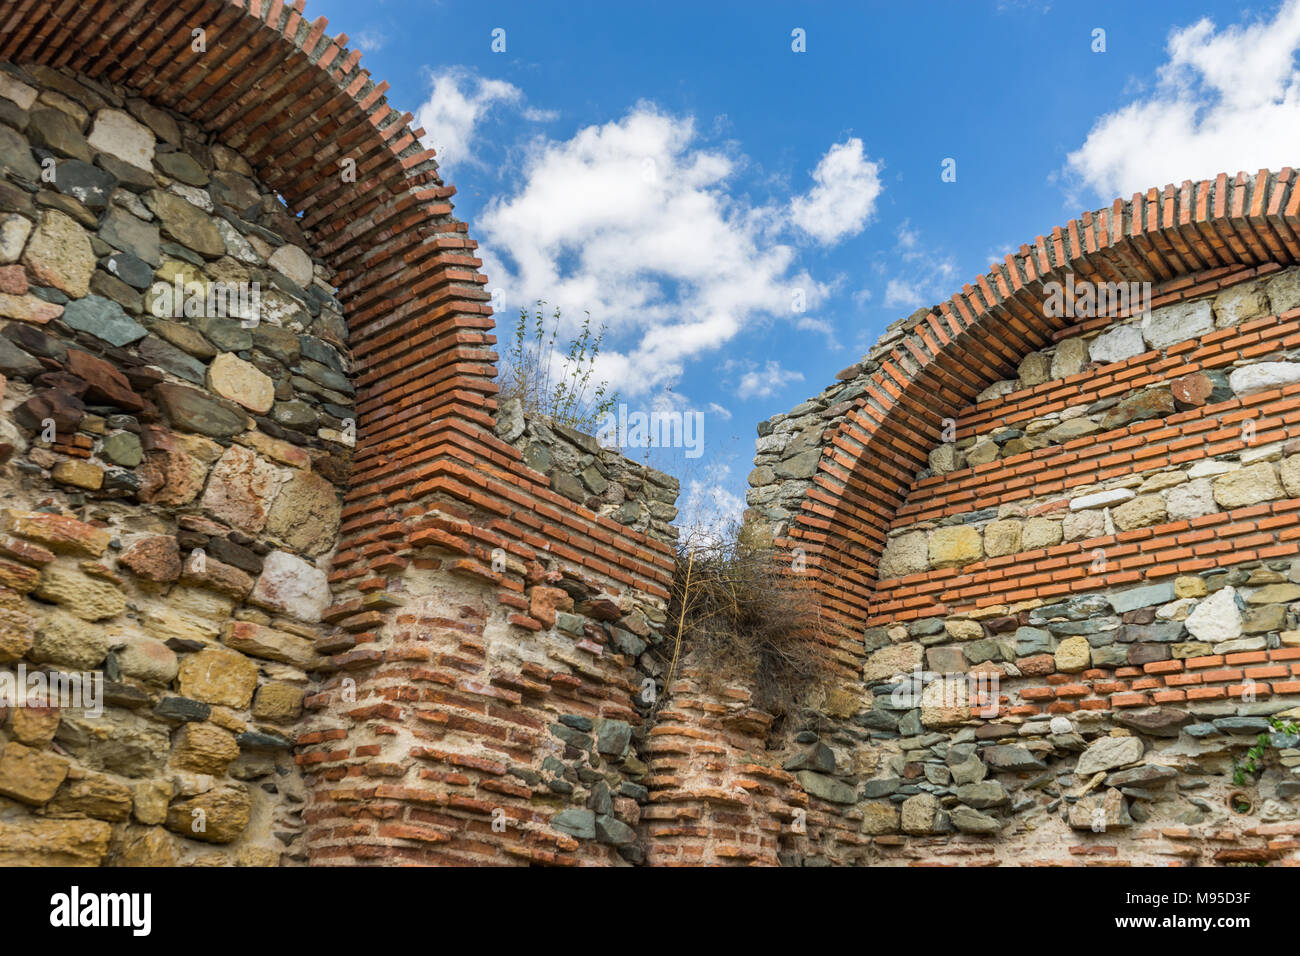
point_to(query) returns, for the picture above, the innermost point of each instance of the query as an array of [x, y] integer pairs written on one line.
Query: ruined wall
[[499, 716], [1106, 542], [172, 486], [469, 649], [464, 669]]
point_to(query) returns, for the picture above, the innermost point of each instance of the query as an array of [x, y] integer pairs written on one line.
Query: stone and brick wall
[[351, 612], [469, 648], [499, 714], [632, 493], [1074, 604], [172, 487]]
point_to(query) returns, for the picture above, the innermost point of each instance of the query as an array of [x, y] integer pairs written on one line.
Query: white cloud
[[928, 277], [368, 41], [844, 197], [633, 221], [900, 293], [767, 381], [1226, 100], [723, 413], [458, 102], [823, 327], [908, 238], [707, 508]]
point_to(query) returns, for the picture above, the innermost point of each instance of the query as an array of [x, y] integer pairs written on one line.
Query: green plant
[[529, 371], [1253, 763]]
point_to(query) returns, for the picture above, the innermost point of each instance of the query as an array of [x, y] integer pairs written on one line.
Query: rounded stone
[[242, 382], [1248, 486], [944, 702], [918, 813], [904, 554], [1191, 500], [292, 586], [122, 449], [155, 559], [118, 134], [1291, 475], [1074, 654], [1192, 391], [78, 474], [278, 702], [955, 545], [217, 676], [148, 659], [962, 629], [69, 641], [171, 477], [241, 488], [1108, 753], [306, 514], [1002, 538], [294, 263], [1140, 512], [1040, 533], [218, 816], [91, 599], [1070, 357], [59, 255], [186, 223], [1217, 618], [878, 818], [1034, 369]]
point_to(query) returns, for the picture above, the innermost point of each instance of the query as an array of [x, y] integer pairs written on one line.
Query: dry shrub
[[740, 612]]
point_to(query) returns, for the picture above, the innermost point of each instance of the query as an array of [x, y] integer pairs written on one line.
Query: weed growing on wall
[[741, 613], [556, 384], [1255, 756]]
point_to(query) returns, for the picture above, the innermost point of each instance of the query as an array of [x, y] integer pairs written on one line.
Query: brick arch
[[295, 102], [946, 357], [432, 488]]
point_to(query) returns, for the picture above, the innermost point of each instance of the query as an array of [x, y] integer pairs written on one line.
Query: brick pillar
[[717, 798]]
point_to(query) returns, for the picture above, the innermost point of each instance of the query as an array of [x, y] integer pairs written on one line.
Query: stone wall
[[1085, 604], [172, 492], [631, 493], [176, 535], [469, 650]]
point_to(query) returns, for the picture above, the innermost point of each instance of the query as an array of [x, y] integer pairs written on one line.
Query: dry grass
[[741, 613]]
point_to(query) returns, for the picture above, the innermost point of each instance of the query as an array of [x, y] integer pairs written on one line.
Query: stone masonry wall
[[349, 611], [1112, 538], [508, 724], [481, 696], [172, 486], [631, 493]]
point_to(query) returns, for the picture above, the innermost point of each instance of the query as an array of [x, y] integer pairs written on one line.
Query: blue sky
[[681, 172]]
